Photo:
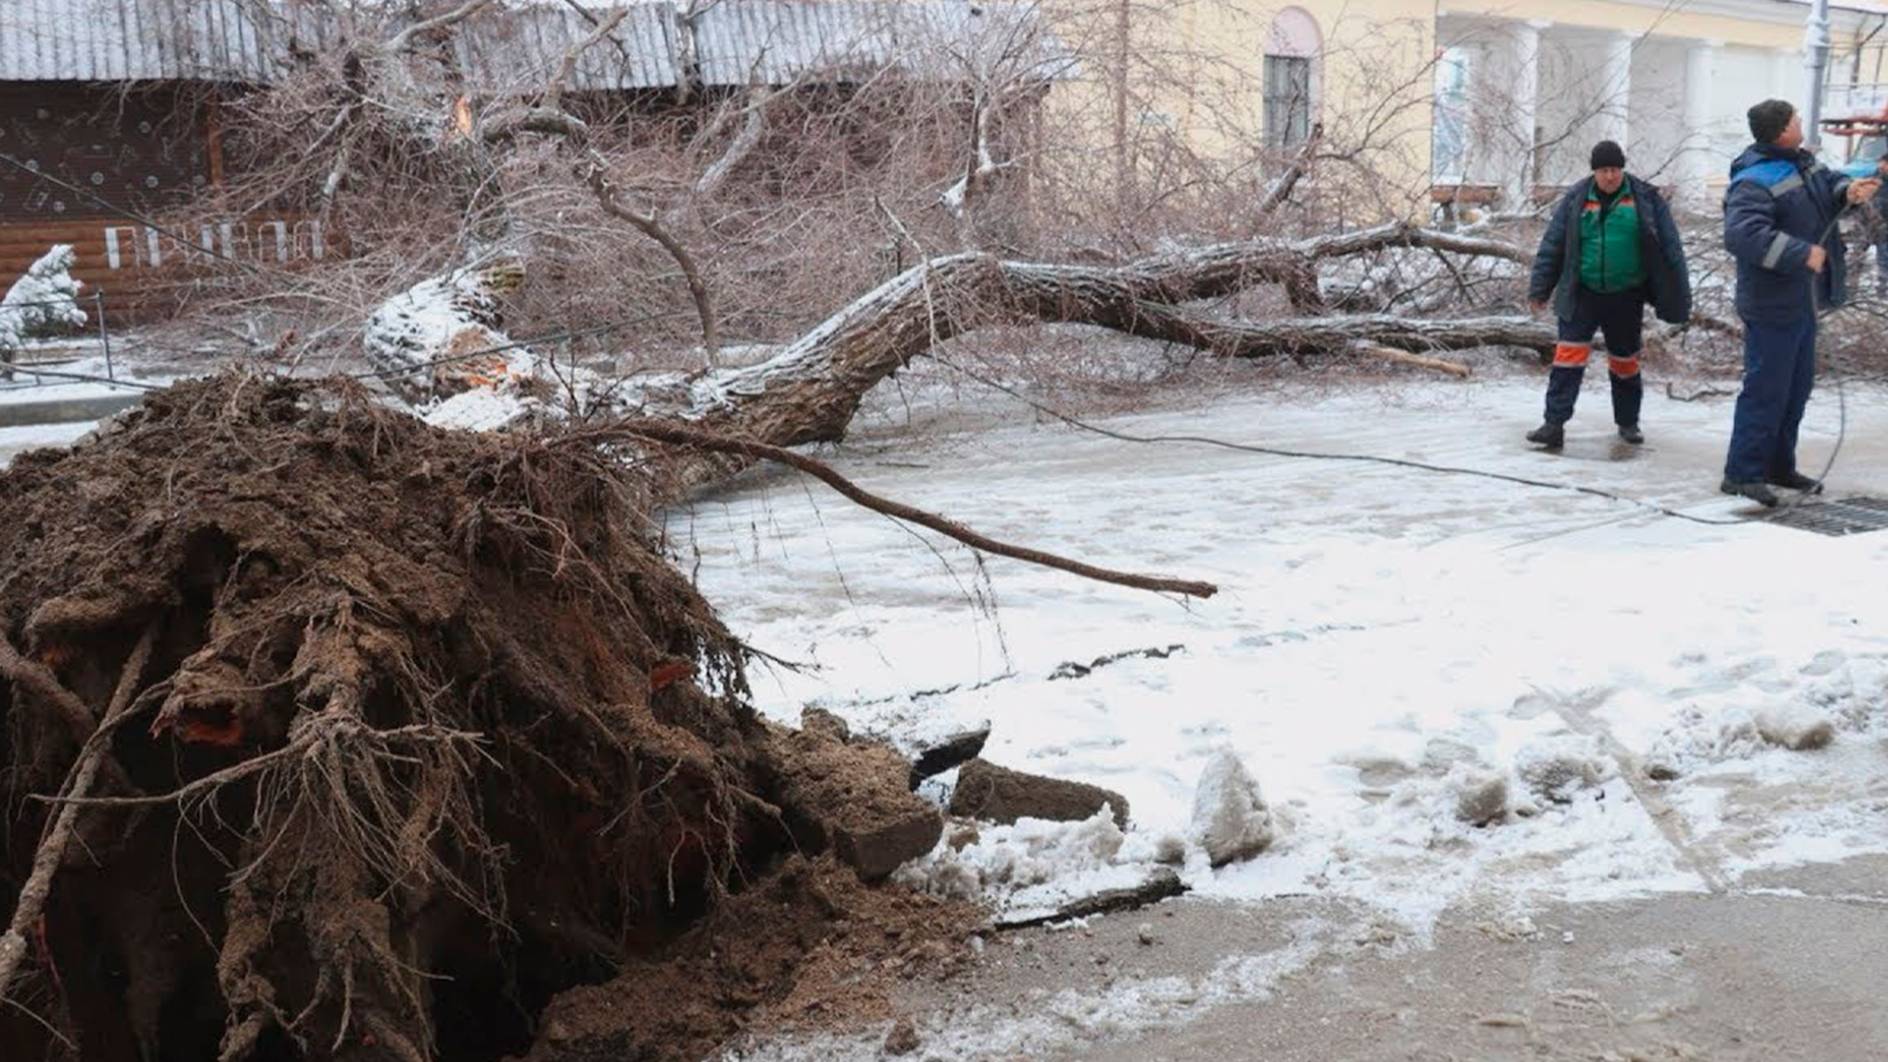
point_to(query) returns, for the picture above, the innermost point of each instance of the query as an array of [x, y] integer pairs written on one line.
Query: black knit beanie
[[1607, 154]]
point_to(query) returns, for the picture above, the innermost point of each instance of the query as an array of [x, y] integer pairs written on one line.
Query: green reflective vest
[[1609, 243]]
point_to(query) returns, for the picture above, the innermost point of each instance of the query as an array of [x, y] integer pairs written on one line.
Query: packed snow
[[1450, 689], [1031, 867]]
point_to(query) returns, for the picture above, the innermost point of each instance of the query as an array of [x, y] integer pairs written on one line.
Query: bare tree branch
[[403, 40], [1279, 191], [649, 224], [78, 784], [741, 146], [554, 89], [692, 438]]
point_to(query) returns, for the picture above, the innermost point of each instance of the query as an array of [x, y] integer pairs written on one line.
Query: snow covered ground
[[1381, 635], [28, 389], [16, 440]]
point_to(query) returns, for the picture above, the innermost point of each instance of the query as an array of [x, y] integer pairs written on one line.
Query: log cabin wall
[[139, 151]]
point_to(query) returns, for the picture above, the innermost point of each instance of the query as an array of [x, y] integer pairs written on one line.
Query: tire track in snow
[[1578, 715]]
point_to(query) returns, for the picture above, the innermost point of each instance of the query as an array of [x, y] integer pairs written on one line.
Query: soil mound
[[394, 735]]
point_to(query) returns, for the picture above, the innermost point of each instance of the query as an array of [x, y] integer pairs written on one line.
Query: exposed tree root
[[426, 731]]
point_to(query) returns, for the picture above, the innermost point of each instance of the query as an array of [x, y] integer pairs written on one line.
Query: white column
[[1519, 167], [1700, 161], [1616, 90], [1786, 69]]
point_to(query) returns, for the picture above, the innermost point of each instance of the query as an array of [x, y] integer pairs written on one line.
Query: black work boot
[[1631, 433], [1550, 435], [1795, 481], [1756, 492]]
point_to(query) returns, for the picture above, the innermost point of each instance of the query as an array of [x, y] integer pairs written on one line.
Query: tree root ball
[[427, 732]]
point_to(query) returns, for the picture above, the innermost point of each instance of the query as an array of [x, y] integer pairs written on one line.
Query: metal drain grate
[[1849, 516]]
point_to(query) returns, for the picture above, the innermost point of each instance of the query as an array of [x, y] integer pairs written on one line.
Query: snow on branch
[[443, 336], [45, 297]]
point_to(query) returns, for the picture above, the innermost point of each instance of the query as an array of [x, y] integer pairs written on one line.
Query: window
[[1291, 78], [1287, 100], [1452, 115]]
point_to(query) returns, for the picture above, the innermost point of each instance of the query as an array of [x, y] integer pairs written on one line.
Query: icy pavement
[[1381, 635]]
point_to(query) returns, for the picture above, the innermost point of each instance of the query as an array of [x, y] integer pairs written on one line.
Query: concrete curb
[[67, 410]]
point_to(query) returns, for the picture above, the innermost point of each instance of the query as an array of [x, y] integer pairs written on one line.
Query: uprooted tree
[[403, 722], [331, 734]]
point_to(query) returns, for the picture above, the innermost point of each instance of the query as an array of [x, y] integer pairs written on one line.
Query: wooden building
[[108, 116]]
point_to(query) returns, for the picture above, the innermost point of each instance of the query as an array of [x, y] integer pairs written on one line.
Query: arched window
[[1291, 77]]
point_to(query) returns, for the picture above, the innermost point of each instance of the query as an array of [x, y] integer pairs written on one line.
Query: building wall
[[143, 152], [1672, 84], [1372, 82], [1664, 20], [1377, 80]]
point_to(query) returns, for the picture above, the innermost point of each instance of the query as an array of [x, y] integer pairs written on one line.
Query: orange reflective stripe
[[1567, 355], [1624, 366]]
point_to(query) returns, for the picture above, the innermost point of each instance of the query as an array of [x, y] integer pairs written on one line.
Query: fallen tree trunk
[[809, 392], [1304, 335]]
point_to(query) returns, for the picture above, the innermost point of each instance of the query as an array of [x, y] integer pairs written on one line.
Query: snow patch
[[478, 410], [1381, 636], [1556, 768], [1029, 868]]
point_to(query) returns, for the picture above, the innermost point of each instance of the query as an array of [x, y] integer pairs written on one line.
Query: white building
[[1520, 100]]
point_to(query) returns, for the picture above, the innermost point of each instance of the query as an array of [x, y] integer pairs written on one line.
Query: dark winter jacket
[[1557, 264], [1781, 200]]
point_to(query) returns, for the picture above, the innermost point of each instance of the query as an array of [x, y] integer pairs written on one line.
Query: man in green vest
[[1611, 247]]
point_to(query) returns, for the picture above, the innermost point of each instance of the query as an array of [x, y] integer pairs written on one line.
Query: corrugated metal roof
[[133, 40], [737, 41], [774, 41], [523, 47]]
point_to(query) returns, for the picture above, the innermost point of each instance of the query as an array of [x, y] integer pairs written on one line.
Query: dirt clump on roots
[[407, 732]]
